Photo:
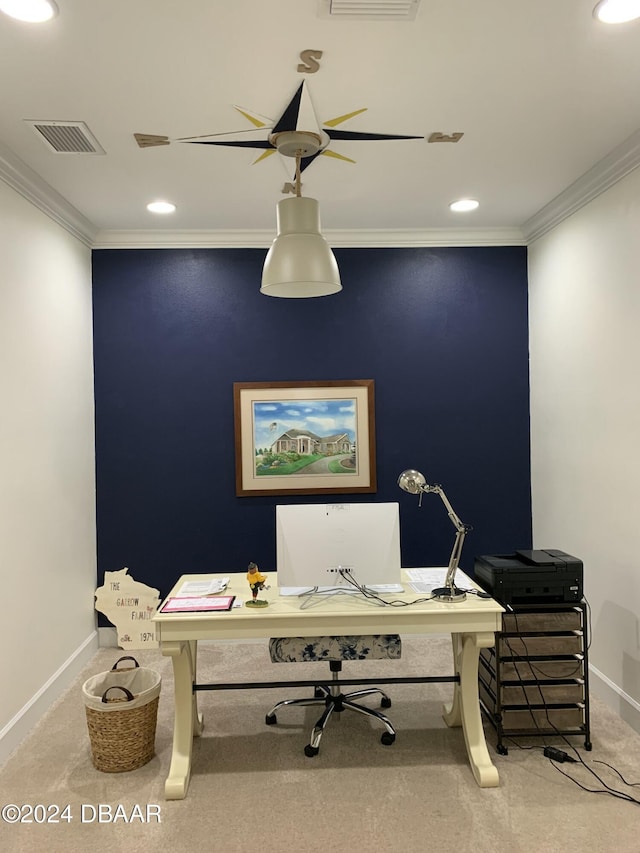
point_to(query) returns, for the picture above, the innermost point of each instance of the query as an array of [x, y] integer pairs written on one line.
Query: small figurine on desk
[[257, 583]]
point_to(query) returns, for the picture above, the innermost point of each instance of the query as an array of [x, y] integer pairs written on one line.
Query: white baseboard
[[12, 735], [614, 697]]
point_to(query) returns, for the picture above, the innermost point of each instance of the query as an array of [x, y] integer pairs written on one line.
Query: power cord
[[372, 596], [606, 789]]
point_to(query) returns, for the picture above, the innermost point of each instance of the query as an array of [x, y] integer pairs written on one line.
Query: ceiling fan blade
[[305, 162], [335, 121], [257, 134], [353, 135], [243, 143], [328, 153], [289, 118], [263, 156], [257, 121]]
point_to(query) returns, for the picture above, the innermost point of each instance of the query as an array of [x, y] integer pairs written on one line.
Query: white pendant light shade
[[299, 263]]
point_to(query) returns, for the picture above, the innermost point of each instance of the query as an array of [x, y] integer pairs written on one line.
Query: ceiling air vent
[[373, 10], [67, 137]]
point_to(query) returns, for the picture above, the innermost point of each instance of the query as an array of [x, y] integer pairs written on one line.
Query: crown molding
[[26, 182], [606, 172], [357, 238]]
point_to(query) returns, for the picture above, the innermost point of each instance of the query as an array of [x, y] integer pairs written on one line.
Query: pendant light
[[300, 263]]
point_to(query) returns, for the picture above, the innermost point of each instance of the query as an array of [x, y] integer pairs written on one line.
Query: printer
[[544, 576]]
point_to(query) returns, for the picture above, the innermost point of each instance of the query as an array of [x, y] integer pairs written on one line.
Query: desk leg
[[198, 719], [187, 721], [465, 708]]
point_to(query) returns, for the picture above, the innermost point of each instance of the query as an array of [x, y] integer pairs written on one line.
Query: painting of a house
[[310, 437], [306, 442], [304, 437]]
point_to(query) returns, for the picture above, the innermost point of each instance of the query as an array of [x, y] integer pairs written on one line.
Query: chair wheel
[[385, 702], [271, 719], [387, 738], [310, 751]]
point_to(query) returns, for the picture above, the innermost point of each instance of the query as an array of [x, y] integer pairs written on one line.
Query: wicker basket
[[122, 711]]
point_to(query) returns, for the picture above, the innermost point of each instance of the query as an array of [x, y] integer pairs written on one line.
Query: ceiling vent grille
[[370, 9], [67, 137]]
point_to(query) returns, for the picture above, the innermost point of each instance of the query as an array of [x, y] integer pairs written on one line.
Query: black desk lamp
[[414, 482]]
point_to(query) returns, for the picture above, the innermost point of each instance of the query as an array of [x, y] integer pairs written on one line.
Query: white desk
[[472, 624]]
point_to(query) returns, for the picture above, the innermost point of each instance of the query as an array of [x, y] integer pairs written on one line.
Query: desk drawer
[[524, 670], [571, 644], [525, 719], [548, 719], [549, 623], [568, 693]]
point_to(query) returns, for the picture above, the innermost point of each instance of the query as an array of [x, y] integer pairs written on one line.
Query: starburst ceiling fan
[[296, 132]]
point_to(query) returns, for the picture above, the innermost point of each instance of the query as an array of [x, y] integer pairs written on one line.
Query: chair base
[[338, 702]]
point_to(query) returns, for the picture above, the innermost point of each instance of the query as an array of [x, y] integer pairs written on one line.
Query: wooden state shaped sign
[[130, 606]]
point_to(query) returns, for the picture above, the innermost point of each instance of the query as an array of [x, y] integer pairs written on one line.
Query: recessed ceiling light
[[33, 11], [617, 11], [161, 207], [463, 205]]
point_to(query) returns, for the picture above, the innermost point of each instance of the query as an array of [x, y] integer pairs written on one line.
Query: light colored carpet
[[254, 791]]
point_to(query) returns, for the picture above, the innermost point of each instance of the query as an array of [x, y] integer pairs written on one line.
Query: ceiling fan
[[296, 133]]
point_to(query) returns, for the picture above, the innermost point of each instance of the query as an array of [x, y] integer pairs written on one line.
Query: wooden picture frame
[[304, 438]]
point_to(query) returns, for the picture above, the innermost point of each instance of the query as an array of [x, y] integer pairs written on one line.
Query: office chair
[[335, 650]]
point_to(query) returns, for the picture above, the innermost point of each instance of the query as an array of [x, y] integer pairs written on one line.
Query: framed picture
[[304, 438]]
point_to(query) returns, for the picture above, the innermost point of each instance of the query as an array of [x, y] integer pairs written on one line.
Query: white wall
[[47, 481], [584, 284]]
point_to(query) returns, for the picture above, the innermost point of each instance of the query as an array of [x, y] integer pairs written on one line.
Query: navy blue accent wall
[[441, 331]]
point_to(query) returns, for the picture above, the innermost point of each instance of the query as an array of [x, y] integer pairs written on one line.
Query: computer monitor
[[315, 541]]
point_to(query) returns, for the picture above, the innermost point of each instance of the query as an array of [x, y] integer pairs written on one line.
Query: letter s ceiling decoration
[[296, 128]]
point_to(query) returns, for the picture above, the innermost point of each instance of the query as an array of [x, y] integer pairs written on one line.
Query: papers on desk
[[198, 604], [425, 580], [204, 587]]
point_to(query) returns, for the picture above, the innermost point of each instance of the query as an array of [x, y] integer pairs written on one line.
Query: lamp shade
[[412, 481], [299, 263]]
